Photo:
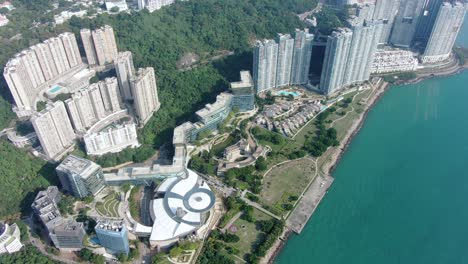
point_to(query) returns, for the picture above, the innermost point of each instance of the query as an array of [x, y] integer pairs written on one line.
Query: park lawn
[[249, 236], [218, 149], [287, 179]]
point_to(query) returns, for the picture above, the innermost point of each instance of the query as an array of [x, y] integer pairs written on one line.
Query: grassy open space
[[286, 180], [248, 233]]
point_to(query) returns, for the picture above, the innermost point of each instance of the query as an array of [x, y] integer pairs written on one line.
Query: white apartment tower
[[45, 60], [153, 5], [145, 94], [285, 59], [105, 45], [71, 49], [88, 45], [445, 31], [110, 94], [113, 139], [125, 70], [100, 46], [59, 54], [264, 66], [53, 129]]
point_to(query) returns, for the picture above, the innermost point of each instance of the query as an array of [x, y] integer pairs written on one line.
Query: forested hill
[[159, 40]]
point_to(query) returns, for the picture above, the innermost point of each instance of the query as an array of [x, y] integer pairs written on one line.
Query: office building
[[334, 63], [113, 236], [213, 114], [385, 11], [446, 27], [71, 49], [45, 207], [54, 130], [153, 5], [10, 241], [64, 233], [100, 45], [112, 139], [264, 65], [406, 22], [394, 60], [301, 57], [145, 94], [243, 94], [68, 236], [285, 59], [125, 70], [80, 177]]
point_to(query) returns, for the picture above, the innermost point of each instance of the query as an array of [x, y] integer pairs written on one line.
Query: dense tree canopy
[[21, 176]]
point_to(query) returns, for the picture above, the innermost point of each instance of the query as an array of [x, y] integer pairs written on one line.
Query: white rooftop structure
[[179, 209]]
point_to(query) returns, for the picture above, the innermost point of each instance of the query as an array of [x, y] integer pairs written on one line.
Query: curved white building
[[178, 210], [9, 238]]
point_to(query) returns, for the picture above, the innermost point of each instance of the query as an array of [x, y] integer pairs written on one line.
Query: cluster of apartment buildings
[[43, 68], [352, 53], [282, 62], [153, 5]]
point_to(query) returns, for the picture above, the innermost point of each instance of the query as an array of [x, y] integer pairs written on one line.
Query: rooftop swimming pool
[[55, 89], [287, 93]]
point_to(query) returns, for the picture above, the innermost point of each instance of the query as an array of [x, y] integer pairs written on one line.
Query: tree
[[115, 9], [4, 10], [175, 252], [125, 187], [261, 164], [159, 258], [122, 257]]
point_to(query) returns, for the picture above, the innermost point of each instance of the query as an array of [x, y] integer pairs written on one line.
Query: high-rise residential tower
[[361, 53], [334, 63], [285, 59], [53, 129], [406, 22], [385, 11], [105, 45], [301, 57], [88, 45], [100, 45], [145, 94], [153, 5], [125, 70], [427, 20], [444, 33], [264, 65], [71, 49]]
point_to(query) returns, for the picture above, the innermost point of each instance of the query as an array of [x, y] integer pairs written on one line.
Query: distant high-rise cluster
[[153, 5], [99, 45], [282, 62], [30, 71], [53, 129]]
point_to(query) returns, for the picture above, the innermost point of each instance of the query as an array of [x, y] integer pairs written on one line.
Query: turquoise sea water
[[401, 190]]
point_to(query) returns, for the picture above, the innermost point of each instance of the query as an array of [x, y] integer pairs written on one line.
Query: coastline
[[338, 152]]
